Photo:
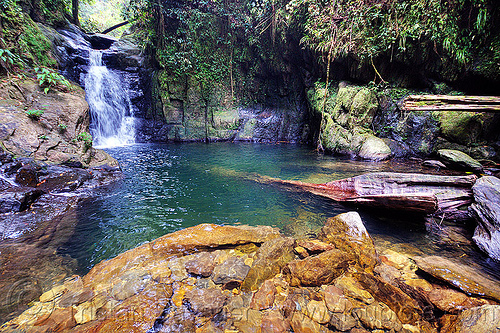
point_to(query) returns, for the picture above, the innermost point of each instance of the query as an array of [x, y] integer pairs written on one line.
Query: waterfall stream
[[112, 121]]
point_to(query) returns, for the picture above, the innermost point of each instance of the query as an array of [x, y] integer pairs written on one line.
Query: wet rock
[[269, 260], [4, 184], [181, 242], [251, 322], [434, 164], [406, 308], [314, 246], [180, 320], [75, 297], [300, 323], [264, 297], [202, 264], [18, 199], [350, 287], [485, 319], [57, 321], [487, 212], [374, 149], [348, 233], [342, 321], [205, 302], [458, 159], [273, 322], [130, 283], [317, 311], [301, 252], [336, 301], [231, 273], [318, 270], [451, 301], [63, 179], [209, 327], [27, 176], [11, 168], [378, 316], [5, 157], [460, 276], [137, 313]]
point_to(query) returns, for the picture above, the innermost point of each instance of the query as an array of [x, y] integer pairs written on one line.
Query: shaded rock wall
[[355, 118]]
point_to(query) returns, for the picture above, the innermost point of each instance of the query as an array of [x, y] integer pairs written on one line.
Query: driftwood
[[452, 103], [412, 192]]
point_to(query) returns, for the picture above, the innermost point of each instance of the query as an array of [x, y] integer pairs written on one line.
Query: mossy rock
[[461, 127]]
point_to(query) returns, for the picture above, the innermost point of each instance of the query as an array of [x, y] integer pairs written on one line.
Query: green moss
[[24, 38], [460, 127]]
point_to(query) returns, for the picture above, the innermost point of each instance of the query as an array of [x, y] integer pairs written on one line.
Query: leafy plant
[[62, 127], [43, 137], [9, 59], [86, 138], [49, 79], [34, 114]]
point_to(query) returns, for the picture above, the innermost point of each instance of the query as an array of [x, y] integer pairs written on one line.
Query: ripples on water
[[169, 187]]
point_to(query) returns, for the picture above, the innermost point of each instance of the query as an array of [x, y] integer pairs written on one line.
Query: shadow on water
[[169, 187]]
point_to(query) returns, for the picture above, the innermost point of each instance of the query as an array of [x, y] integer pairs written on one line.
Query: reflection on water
[[173, 186]]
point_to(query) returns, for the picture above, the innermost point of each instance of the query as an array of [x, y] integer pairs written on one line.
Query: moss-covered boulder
[[348, 112]]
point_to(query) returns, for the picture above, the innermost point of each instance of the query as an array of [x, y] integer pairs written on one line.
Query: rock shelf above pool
[[211, 278]]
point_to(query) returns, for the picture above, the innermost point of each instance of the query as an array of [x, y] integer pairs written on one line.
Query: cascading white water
[[112, 122]]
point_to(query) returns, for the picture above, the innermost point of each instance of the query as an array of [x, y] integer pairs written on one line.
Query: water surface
[[173, 186]]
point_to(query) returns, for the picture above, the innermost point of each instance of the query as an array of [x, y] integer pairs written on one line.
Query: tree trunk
[[75, 4]]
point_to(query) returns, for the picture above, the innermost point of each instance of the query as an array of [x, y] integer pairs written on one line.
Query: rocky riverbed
[[211, 278]]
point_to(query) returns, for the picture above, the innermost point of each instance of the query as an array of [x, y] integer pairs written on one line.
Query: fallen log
[[421, 193], [412, 192], [452, 103]]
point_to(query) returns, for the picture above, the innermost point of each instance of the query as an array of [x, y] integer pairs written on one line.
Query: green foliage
[[99, 15], [43, 137], [9, 60], [49, 79], [34, 114], [396, 28], [86, 138], [62, 127], [38, 46]]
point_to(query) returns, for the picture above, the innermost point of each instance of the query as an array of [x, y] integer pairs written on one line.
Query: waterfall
[[112, 122]]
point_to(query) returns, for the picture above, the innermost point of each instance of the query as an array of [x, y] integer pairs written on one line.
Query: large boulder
[[460, 160], [347, 118], [318, 270], [487, 212], [374, 149], [54, 133], [348, 233]]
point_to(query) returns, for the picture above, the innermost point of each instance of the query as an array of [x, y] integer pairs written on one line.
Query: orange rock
[[137, 313], [264, 297], [406, 308], [179, 242], [273, 322], [318, 270], [302, 324], [452, 301], [348, 233], [58, 320]]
